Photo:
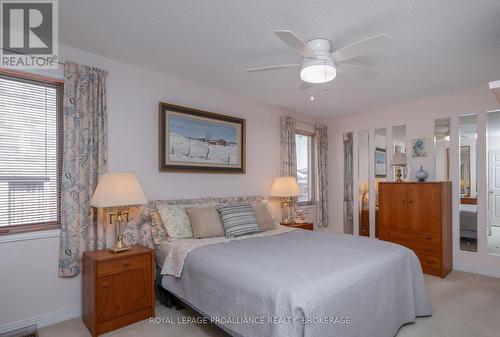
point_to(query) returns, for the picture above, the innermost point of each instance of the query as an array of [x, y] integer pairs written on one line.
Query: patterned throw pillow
[[238, 219], [158, 231], [176, 221]]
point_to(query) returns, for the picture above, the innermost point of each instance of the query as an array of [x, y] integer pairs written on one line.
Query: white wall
[[30, 285], [419, 116]]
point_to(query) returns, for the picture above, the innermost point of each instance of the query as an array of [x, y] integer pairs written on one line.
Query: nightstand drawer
[[122, 265]]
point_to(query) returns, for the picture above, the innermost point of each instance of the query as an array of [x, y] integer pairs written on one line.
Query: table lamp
[[285, 188], [399, 161], [118, 190]]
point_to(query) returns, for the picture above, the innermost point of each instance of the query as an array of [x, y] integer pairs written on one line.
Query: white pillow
[[176, 221], [265, 202]]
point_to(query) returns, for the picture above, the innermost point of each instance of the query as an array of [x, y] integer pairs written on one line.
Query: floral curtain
[[348, 182], [288, 151], [84, 161], [322, 170]]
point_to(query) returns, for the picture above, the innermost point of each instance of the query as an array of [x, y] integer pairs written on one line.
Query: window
[[30, 161], [305, 167]]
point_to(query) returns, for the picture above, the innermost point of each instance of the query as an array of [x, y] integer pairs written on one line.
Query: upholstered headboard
[[138, 229]]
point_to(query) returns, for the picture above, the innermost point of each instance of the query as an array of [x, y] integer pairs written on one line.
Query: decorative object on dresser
[[193, 140], [117, 288], [399, 161], [421, 174], [418, 216], [307, 226], [118, 189], [285, 188], [301, 216]]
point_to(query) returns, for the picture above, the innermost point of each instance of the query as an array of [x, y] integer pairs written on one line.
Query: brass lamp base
[[286, 211], [119, 245], [399, 175]]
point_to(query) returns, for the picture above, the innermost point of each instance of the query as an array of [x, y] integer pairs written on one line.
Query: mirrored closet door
[[364, 182], [442, 149], [399, 159], [493, 169], [380, 166], [467, 188]]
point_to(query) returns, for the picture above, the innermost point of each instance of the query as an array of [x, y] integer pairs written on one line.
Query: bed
[[468, 221], [297, 283]]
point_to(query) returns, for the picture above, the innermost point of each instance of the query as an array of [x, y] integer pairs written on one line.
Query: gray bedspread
[[308, 283]]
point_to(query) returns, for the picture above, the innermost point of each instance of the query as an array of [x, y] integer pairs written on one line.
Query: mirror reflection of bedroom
[[468, 190], [364, 182], [380, 166], [493, 144]]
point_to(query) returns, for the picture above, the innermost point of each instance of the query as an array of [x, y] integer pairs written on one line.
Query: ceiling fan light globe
[[318, 71]]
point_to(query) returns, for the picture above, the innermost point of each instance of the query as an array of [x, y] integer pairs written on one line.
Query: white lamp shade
[[117, 189], [399, 159], [285, 187]]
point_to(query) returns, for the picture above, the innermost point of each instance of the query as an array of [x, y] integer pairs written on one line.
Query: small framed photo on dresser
[[192, 140]]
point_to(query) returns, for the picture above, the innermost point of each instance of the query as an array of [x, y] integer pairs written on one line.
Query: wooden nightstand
[[306, 226], [117, 288]]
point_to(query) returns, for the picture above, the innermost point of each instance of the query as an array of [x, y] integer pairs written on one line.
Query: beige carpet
[[465, 305]]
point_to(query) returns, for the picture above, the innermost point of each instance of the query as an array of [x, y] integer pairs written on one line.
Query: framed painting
[[192, 140], [419, 147], [380, 163]]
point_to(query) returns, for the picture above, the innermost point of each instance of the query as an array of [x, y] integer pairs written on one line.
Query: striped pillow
[[238, 219]]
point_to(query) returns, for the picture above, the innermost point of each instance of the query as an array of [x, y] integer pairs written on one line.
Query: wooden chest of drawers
[[418, 216], [117, 288]]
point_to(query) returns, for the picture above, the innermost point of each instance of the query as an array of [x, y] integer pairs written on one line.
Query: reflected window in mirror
[[380, 166], [467, 183], [364, 182], [348, 184], [399, 163], [442, 148], [493, 150]]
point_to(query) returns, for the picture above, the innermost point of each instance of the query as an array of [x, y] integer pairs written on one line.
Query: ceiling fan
[[320, 64]]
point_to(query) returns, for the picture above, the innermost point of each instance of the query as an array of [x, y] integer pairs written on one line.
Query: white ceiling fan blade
[[356, 70], [362, 47], [294, 42], [281, 66]]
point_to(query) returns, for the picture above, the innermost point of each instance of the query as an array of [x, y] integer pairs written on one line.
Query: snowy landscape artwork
[[195, 142]]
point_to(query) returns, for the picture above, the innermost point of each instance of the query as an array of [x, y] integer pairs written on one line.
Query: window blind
[[29, 153]]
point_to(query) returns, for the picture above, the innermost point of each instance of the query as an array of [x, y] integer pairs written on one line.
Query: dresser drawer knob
[[126, 266]]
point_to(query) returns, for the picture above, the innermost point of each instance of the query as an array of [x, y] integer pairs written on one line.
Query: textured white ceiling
[[439, 46]]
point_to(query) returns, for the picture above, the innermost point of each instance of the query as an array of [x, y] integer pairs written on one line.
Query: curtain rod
[[19, 53]]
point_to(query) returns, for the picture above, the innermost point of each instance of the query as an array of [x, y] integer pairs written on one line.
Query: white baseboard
[[44, 319], [477, 270]]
